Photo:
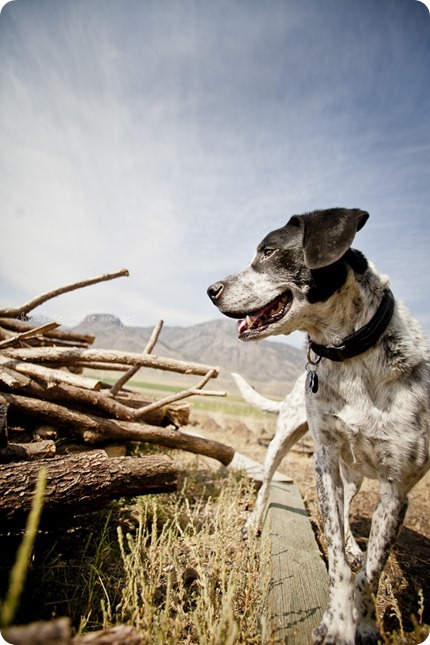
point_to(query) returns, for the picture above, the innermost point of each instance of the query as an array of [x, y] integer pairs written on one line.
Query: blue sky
[[170, 137]]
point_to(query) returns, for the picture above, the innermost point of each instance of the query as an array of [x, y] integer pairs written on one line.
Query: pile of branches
[[45, 400]]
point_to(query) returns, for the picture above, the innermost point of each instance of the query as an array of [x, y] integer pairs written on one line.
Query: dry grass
[[190, 577], [175, 566]]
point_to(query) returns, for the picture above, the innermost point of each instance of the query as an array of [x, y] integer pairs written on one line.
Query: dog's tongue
[[241, 325], [247, 323]]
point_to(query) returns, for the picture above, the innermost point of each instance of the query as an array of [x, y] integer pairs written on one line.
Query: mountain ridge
[[272, 366]]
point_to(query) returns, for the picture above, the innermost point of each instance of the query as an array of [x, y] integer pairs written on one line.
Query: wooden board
[[298, 585], [254, 469]]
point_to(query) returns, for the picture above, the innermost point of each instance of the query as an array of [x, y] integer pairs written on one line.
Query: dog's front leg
[[351, 485], [386, 523], [338, 623]]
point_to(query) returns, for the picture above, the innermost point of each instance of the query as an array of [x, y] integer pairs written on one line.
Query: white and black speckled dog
[[367, 389]]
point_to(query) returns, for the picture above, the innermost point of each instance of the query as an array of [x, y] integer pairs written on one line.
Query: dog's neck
[[348, 309]]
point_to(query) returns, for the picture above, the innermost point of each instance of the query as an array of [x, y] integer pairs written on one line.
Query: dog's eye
[[267, 252]]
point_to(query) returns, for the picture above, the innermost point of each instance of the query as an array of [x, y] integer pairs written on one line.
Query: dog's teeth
[[248, 321]]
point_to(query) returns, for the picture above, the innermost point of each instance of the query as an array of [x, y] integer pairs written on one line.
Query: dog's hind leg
[[352, 481], [291, 427], [386, 523], [287, 434]]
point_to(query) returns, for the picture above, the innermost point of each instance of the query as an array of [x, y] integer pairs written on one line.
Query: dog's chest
[[360, 420]]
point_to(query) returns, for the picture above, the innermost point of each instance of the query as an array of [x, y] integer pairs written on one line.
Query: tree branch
[[24, 309], [132, 371]]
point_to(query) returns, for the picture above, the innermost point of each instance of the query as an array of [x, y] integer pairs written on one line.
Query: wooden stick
[[69, 356], [77, 396], [23, 310], [50, 375], [108, 367], [4, 439], [59, 334], [95, 429], [13, 379], [132, 371], [30, 333], [176, 397], [27, 451]]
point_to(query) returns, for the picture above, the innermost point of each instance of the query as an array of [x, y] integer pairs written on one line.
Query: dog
[[367, 389], [291, 427]]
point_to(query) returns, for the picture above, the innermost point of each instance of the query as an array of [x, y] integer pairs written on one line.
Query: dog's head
[[302, 263]]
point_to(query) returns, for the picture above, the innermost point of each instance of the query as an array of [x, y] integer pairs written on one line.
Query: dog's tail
[[254, 398]]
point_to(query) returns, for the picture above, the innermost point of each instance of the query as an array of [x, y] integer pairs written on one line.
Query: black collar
[[363, 339]]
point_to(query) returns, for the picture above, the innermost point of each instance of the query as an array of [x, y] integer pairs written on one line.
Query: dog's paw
[[319, 634], [368, 634], [355, 558], [252, 526], [323, 636], [334, 632], [354, 554]]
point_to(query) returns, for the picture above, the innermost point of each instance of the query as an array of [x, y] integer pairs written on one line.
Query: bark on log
[[95, 429], [82, 483], [27, 451]]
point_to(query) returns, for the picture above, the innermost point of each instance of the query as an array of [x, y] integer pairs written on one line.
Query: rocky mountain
[[270, 365]]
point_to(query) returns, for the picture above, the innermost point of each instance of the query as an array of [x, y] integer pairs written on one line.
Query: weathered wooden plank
[[298, 586]]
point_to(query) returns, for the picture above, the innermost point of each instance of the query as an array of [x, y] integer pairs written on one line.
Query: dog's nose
[[215, 290]]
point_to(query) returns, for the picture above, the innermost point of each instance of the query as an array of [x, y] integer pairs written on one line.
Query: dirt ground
[[404, 590]]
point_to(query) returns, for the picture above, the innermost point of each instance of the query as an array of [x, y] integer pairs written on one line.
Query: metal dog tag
[[312, 382]]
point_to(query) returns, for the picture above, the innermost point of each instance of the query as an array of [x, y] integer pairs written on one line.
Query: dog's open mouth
[[253, 323]]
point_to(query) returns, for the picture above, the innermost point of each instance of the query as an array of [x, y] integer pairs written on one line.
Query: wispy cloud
[[171, 139]]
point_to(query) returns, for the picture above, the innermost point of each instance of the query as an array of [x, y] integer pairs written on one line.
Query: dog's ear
[[328, 234]]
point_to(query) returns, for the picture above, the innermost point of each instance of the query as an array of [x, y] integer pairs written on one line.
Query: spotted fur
[[370, 416]]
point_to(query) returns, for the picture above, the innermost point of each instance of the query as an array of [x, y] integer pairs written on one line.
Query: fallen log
[[82, 482], [94, 429]]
